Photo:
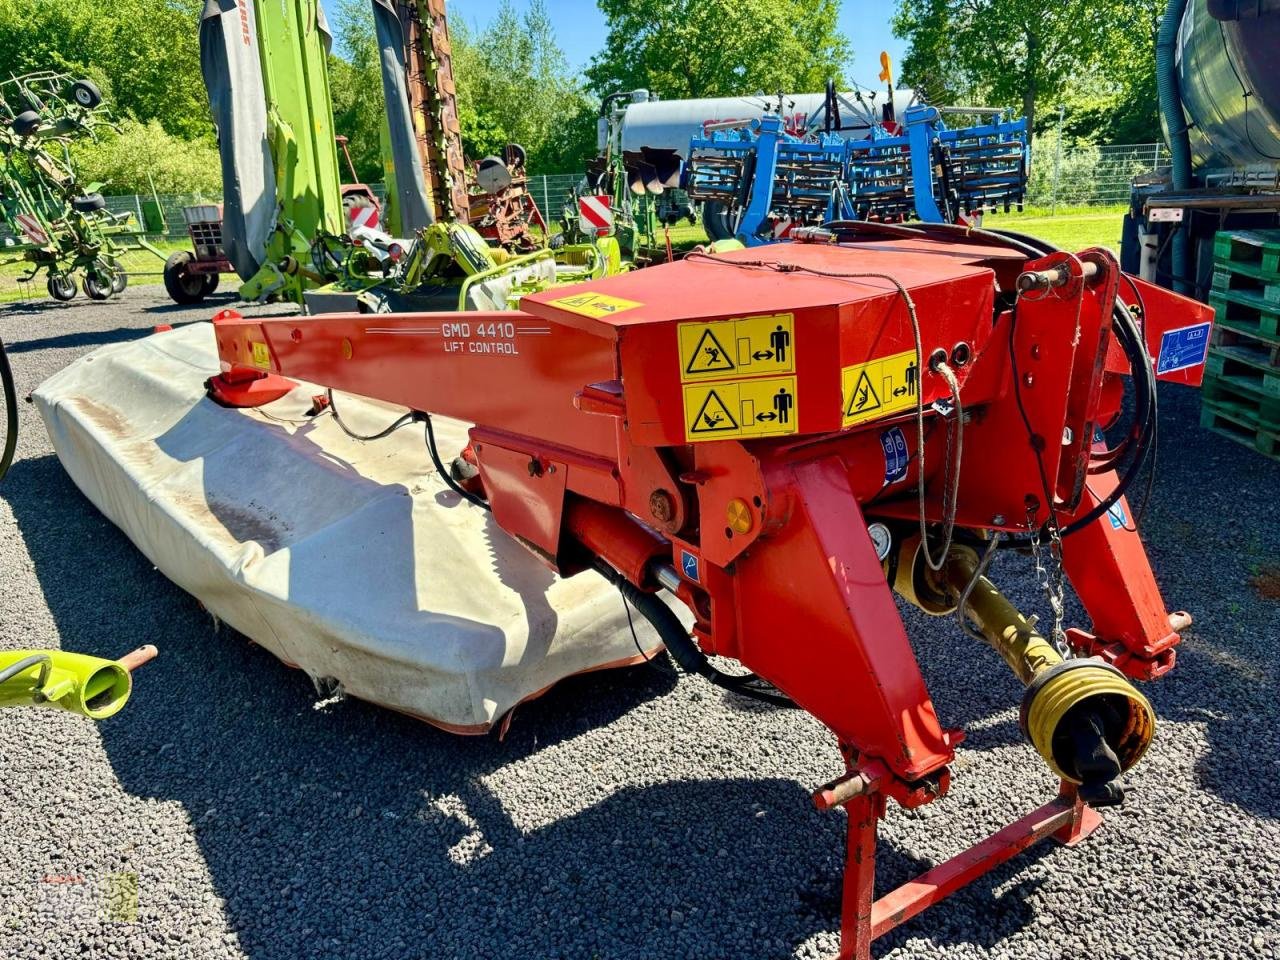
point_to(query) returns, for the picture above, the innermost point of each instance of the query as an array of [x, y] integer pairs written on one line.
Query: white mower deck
[[350, 560]]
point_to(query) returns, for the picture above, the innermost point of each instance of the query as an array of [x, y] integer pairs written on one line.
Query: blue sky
[[580, 29]]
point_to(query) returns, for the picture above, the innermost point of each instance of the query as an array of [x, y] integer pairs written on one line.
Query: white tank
[[669, 124]]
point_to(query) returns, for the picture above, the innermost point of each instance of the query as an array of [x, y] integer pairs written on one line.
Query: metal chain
[[1052, 583]]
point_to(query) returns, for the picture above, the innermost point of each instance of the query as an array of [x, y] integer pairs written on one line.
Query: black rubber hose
[[1131, 341], [401, 422], [682, 647], [445, 475], [10, 412]]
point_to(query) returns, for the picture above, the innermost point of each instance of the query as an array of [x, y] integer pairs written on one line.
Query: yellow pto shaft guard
[[1083, 716]]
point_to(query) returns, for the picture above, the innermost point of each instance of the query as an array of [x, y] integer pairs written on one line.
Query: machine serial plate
[[880, 387]]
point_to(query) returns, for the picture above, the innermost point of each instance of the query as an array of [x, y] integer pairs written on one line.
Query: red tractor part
[[780, 438]]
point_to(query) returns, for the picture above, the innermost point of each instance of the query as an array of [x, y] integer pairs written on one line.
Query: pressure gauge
[[881, 539]]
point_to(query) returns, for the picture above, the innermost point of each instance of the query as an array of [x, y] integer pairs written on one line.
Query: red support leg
[[1084, 819], [865, 812], [864, 919]]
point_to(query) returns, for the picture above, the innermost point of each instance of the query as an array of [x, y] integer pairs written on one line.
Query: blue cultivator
[[769, 181]]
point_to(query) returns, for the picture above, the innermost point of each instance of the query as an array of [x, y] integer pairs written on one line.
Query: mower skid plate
[[350, 560]]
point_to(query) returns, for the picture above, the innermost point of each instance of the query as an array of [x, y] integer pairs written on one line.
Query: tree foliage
[[143, 54], [355, 88], [714, 48], [515, 86], [1028, 53], [141, 154]]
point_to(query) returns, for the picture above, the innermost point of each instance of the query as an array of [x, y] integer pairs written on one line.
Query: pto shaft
[[1083, 716]]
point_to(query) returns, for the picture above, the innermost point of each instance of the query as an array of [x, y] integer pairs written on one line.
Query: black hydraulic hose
[[681, 646], [445, 475], [10, 412], [401, 422], [1127, 333], [939, 231]]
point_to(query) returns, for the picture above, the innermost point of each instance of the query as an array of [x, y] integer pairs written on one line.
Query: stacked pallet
[[1242, 373]]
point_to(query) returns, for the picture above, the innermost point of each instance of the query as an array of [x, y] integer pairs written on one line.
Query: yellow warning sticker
[[745, 347], [594, 304], [743, 408], [261, 355], [880, 387]]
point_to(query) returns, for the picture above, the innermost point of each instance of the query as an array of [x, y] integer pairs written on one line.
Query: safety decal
[[741, 408], [880, 387], [260, 354], [744, 347], [1115, 513], [689, 566], [896, 458], [1182, 348], [594, 304]]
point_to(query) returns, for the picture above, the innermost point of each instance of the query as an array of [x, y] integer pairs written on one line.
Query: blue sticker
[[895, 455], [689, 564], [1115, 513], [1182, 348]]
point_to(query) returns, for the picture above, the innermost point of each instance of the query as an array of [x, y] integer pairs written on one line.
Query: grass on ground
[[1073, 228], [141, 265]]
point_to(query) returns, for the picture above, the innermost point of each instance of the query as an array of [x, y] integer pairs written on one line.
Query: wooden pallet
[[1246, 312], [1239, 422], [1255, 252], [1233, 375], [1228, 281]]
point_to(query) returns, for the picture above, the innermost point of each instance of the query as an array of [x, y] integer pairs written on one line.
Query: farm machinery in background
[[627, 193], [64, 225], [286, 229], [1219, 93], [760, 179]]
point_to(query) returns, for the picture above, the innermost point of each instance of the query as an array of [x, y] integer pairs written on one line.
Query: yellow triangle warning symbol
[[709, 356], [713, 416], [864, 398]]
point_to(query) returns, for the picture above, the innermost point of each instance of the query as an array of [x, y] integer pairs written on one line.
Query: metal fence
[[1067, 175], [1075, 175], [551, 191]]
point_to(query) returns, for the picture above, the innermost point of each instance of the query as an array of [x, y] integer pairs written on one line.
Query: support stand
[[864, 919]]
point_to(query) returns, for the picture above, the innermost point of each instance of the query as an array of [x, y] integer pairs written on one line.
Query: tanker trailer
[[1219, 94], [649, 139]]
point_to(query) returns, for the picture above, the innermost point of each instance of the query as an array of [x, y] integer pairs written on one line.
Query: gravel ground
[[625, 815]]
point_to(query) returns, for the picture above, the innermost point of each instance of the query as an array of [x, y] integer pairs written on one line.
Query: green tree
[[143, 54], [1120, 104], [1023, 52], [355, 88], [515, 86], [141, 154], [713, 48]]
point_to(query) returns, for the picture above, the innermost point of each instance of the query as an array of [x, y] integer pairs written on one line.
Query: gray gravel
[[625, 815]]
